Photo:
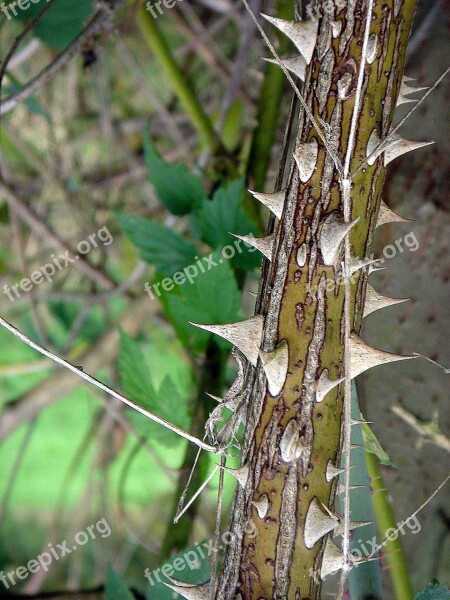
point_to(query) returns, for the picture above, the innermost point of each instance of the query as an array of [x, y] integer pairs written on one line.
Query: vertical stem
[[385, 519], [175, 77]]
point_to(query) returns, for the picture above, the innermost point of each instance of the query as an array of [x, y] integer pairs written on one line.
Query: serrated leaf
[[179, 190], [434, 591], [372, 445], [224, 215], [134, 375], [212, 298], [60, 24], [158, 245], [137, 384], [115, 589]]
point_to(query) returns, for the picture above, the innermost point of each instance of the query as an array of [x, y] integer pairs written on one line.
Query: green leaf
[[434, 591], [32, 103], [223, 215], [372, 445], [134, 375], [158, 245], [67, 313], [137, 384], [61, 23], [179, 190], [213, 297], [115, 589]]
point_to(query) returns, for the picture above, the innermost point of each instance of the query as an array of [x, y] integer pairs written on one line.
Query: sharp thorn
[[364, 357], [302, 33], [396, 146], [332, 234], [275, 366], [332, 560], [241, 474], [245, 335], [325, 385], [262, 506], [294, 64], [375, 301], [305, 156], [317, 523], [386, 215], [332, 471], [274, 202], [264, 244]]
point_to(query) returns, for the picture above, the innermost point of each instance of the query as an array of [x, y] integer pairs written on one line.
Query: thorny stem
[[265, 560], [295, 88]]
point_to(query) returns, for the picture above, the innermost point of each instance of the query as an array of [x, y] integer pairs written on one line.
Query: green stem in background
[[385, 519], [176, 79]]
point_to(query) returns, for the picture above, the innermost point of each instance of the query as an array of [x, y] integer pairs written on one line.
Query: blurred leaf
[[137, 384], [115, 589], [372, 445], [179, 190], [434, 591], [223, 215], [67, 312], [32, 103], [134, 374], [158, 245], [213, 297], [60, 24]]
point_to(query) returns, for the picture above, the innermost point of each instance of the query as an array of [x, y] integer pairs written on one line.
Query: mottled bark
[[291, 438]]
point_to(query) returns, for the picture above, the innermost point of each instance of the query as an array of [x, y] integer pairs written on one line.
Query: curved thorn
[[274, 202], [364, 357], [264, 245], [302, 33], [275, 366], [245, 335]]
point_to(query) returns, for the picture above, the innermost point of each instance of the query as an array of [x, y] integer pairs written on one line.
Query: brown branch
[[20, 37], [45, 232], [96, 25]]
